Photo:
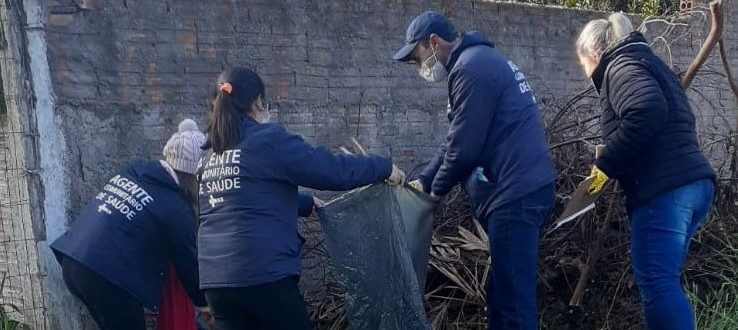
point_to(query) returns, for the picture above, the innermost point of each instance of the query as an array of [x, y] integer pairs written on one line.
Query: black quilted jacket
[[648, 126]]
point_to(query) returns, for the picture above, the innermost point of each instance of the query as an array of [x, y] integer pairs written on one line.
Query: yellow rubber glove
[[600, 178], [417, 185]]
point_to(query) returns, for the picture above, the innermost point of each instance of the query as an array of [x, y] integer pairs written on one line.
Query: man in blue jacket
[[495, 134]]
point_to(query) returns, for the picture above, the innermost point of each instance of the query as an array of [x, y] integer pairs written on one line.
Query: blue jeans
[[513, 236], [660, 235]]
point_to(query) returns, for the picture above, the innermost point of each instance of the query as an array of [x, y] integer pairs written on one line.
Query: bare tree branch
[[726, 66], [716, 31], [734, 88]]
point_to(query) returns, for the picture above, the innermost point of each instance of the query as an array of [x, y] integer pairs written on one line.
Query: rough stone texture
[[19, 256], [19, 272], [124, 73]]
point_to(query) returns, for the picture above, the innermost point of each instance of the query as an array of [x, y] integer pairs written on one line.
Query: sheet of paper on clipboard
[[581, 202]]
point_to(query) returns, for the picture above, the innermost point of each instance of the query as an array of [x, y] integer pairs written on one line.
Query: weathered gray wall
[[119, 75], [20, 273], [125, 72]]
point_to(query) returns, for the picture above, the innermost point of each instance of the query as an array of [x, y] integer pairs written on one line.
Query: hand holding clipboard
[[581, 201]]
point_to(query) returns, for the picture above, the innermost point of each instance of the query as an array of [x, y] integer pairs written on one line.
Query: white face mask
[[435, 73], [266, 116]]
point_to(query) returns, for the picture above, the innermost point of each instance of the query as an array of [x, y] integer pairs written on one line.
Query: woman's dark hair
[[230, 104]]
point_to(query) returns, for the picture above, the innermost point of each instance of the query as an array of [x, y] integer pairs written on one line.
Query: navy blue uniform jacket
[[249, 202], [495, 126], [136, 224]]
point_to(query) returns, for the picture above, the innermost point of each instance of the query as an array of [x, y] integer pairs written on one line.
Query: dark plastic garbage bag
[[378, 238]]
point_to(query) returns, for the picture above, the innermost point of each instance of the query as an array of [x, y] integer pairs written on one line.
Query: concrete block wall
[[126, 72]]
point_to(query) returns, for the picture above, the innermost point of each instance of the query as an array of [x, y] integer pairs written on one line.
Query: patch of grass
[[6, 323], [719, 310], [714, 294]]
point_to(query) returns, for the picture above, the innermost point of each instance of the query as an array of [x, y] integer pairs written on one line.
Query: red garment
[[177, 311]]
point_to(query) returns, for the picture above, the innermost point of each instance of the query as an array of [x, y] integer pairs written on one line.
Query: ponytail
[[238, 89], [223, 123], [620, 27], [600, 34]]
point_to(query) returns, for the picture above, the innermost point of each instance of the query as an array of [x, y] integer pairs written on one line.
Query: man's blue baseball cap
[[422, 27]]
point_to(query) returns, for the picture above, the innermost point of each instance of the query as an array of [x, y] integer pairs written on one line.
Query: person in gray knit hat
[[139, 226], [183, 150], [181, 155]]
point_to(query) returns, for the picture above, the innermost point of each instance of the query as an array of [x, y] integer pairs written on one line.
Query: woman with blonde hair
[[652, 150]]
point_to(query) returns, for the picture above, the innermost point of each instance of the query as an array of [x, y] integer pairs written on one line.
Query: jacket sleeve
[[304, 205], [474, 103], [639, 102], [318, 168], [429, 173], [181, 232]]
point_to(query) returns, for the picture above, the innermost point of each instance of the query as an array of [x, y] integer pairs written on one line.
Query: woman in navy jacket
[[114, 255], [652, 150], [249, 247]]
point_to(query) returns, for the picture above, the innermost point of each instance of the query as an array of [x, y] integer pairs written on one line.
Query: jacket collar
[[631, 43], [468, 40]]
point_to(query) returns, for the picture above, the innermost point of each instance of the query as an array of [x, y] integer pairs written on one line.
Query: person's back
[[249, 245], [115, 254], [495, 126], [651, 148], [515, 157], [251, 191], [673, 157], [120, 234]]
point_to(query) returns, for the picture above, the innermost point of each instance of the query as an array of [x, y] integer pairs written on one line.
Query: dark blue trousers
[[514, 230]]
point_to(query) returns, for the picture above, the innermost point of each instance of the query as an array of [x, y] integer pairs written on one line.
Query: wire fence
[[21, 295]]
